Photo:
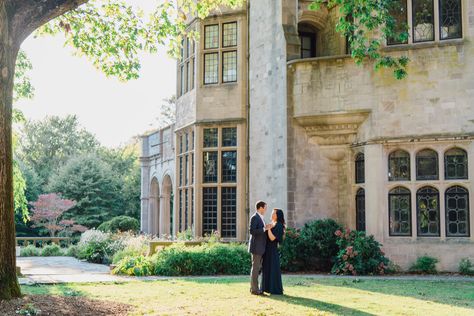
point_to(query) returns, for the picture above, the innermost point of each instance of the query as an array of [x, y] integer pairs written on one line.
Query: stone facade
[[303, 112]]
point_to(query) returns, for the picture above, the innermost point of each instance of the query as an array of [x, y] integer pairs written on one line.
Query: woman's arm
[[270, 235]]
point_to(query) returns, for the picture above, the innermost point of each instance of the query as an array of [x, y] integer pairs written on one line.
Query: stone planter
[[157, 245]]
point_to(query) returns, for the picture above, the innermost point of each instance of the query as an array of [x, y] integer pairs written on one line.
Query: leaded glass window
[[399, 166], [450, 19], [186, 162], [457, 212], [209, 210], [192, 207], [398, 11], [210, 167], [399, 201], [427, 165], [180, 171], [211, 36], [229, 35], [180, 217], [229, 137], [360, 168], [210, 137], [229, 212], [229, 66], [183, 86], [360, 210], [211, 63], [192, 168], [455, 164], [229, 166], [423, 20], [427, 205], [186, 209]]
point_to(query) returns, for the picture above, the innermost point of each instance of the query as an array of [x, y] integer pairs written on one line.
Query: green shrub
[[135, 266], [358, 254], [290, 256], [318, 244], [30, 251], [53, 250], [120, 224], [94, 247], [425, 264], [128, 252], [71, 251], [466, 267]]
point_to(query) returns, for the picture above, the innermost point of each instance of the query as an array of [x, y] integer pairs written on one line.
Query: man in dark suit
[[257, 243]]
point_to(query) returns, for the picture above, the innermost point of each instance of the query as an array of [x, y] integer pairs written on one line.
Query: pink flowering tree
[[47, 213]]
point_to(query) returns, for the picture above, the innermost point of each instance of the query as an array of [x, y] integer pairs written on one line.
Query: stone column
[[145, 191], [376, 217], [164, 214]]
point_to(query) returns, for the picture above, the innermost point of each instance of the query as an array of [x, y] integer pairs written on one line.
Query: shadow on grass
[[319, 305]]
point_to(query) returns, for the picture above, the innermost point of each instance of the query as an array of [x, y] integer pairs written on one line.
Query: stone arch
[[166, 206], [154, 208]]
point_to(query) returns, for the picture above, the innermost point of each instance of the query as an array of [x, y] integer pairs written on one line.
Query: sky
[[114, 111]]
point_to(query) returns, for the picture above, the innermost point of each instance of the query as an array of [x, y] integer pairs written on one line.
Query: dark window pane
[[229, 137], [186, 209], [399, 166], [423, 22], [229, 213], [360, 210], [211, 36], [180, 217], [360, 168], [308, 45], [229, 36], [186, 162], [455, 164], [210, 167], [229, 66], [209, 210], [210, 137], [457, 212], [427, 201], [180, 171], [398, 11], [427, 165], [229, 166], [400, 212], [450, 20], [211, 68]]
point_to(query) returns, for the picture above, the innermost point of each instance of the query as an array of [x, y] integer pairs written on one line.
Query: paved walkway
[[50, 270], [62, 270]]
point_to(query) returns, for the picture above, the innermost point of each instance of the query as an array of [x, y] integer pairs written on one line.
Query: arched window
[[308, 37], [427, 165], [399, 202], [455, 164], [360, 210], [457, 212], [427, 210], [399, 166], [360, 168]]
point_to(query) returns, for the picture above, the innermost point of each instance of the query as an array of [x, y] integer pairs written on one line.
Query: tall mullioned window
[[427, 207], [220, 53], [360, 168], [450, 18], [455, 164], [399, 201], [185, 180], [220, 181], [399, 166], [186, 66], [427, 165], [399, 12], [360, 210], [457, 212]]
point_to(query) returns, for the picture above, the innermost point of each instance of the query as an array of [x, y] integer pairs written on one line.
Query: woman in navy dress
[[271, 281]]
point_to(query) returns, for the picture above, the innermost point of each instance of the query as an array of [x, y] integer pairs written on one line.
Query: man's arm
[[254, 231]]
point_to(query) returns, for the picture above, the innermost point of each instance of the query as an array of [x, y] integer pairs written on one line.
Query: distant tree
[[47, 213], [90, 182], [48, 144], [167, 114]]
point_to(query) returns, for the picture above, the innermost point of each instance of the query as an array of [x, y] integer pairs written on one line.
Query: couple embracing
[[263, 246]]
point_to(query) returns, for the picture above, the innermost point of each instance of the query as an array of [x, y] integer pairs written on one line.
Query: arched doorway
[[154, 208], [166, 206]]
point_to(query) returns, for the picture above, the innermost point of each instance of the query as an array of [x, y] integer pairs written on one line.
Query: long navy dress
[[271, 281]]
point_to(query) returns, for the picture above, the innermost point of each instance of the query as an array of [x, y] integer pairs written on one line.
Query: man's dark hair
[[260, 204]]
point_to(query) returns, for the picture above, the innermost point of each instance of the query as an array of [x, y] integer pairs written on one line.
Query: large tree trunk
[[8, 281], [18, 19]]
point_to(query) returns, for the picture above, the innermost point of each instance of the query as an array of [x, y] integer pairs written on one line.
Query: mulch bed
[[62, 305]]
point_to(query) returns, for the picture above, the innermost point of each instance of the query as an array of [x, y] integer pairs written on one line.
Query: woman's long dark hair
[[280, 216]]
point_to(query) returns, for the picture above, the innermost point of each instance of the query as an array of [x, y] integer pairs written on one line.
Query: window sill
[[422, 45], [212, 85]]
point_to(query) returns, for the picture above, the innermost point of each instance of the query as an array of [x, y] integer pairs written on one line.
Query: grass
[[303, 296]]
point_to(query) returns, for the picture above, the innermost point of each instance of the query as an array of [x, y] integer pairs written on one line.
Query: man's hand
[[268, 226]]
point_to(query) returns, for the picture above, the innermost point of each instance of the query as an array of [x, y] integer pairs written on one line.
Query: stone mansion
[[271, 106]]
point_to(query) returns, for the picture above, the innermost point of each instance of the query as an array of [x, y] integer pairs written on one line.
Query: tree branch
[[28, 15]]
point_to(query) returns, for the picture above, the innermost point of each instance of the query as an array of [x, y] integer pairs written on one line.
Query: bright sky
[[112, 110]]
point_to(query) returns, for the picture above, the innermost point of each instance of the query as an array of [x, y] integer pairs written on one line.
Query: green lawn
[[303, 296]]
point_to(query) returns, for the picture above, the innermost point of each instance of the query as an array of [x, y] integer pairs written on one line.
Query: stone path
[[62, 270], [50, 270]]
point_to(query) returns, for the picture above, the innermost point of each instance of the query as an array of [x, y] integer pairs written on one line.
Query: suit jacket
[[258, 237]]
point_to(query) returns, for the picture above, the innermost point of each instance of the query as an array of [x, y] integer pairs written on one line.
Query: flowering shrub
[[291, 259], [358, 254], [94, 246]]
